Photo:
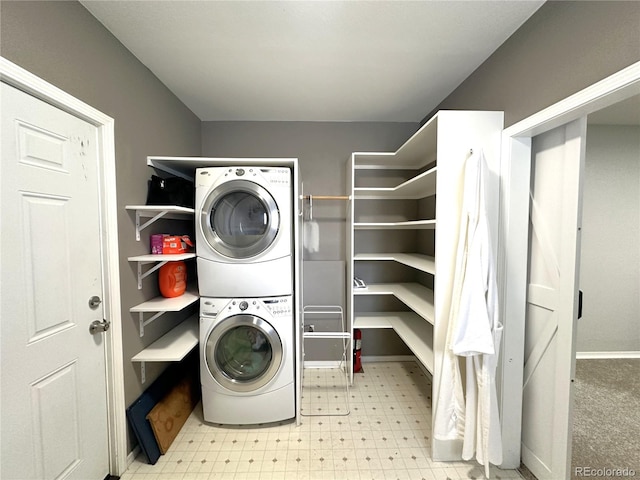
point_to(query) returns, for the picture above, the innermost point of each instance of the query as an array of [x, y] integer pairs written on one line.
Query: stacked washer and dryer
[[244, 244]]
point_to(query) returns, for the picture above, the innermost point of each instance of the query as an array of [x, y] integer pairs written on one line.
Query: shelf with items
[[160, 305], [159, 260], [157, 212], [172, 346]]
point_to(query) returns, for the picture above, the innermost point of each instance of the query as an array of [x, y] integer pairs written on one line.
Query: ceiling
[[312, 60]]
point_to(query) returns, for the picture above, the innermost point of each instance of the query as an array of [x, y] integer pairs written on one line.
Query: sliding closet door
[[552, 299]]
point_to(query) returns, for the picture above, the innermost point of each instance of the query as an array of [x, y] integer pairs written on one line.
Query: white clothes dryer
[[247, 360], [244, 238]]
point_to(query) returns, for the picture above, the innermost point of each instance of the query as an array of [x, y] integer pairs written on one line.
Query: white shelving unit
[[417, 158], [416, 193], [180, 340]]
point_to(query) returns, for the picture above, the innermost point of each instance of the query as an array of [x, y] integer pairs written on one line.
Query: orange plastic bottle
[[172, 278]]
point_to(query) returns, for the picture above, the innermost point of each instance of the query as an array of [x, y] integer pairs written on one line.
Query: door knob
[[98, 326]]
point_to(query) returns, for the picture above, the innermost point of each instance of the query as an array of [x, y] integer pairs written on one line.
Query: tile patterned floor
[[385, 436]]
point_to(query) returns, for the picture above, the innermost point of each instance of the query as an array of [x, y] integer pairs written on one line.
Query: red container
[[357, 350], [172, 279]]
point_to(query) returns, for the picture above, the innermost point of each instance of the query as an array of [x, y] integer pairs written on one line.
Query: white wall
[[610, 266]]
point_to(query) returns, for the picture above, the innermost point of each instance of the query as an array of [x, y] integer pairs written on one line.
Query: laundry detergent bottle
[[172, 279]]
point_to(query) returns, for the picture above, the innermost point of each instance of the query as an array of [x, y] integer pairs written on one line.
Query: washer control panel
[[276, 306], [279, 307]]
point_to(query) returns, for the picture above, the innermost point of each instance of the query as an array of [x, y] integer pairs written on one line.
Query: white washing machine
[[244, 231], [247, 359]]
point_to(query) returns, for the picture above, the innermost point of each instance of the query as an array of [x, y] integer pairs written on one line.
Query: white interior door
[[54, 399], [552, 299]]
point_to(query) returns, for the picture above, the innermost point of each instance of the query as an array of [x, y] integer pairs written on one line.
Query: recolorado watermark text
[[604, 472]]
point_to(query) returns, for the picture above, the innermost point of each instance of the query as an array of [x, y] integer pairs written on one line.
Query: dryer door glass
[[242, 219], [243, 353]]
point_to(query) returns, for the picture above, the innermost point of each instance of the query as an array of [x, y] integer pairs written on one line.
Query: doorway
[[513, 254], [15, 76], [607, 379]]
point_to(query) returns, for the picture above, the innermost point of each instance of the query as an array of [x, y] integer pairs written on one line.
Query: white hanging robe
[[474, 332]]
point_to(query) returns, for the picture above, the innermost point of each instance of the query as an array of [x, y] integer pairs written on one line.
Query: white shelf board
[[418, 151], [409, 225], [150, 258], [372, 320], [162, 304], [157, 212], [420, 186], [174, 345], [414, 295], [424, 263], [160, 260], [418, 335], [410, 327], [172, 211]]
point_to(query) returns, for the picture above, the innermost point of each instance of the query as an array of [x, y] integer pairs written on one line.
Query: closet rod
[[325, 197]]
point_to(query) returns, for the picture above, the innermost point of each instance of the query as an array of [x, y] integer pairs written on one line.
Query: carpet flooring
[[606, 428]]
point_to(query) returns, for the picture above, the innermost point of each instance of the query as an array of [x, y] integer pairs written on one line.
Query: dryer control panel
[[277, 176]]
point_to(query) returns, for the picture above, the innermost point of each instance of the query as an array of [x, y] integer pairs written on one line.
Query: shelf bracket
[[144, 275], [144, 323], [140, 227], [143, 372]]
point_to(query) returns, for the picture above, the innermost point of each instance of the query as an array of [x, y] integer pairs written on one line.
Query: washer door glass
[[241, 219], [243, 353]]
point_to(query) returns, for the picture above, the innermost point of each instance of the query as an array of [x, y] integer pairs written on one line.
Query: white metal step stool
[[335, 314]]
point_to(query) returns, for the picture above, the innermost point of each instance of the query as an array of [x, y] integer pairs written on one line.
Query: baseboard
[[605, 355], [133, 455]]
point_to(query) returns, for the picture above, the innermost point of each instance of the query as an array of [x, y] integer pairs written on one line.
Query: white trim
[[20, 78], [513, 233], [133, 455], [606, 355], [613, 89]]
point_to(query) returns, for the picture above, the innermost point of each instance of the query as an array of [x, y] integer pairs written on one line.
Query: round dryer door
[[240, 219], [243, 353]]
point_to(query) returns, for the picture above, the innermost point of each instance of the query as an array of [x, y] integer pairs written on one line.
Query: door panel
[[54, 411], [552, 301]]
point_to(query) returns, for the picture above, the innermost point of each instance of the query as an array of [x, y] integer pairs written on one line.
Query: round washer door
[[240, 219], [243, 353]]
